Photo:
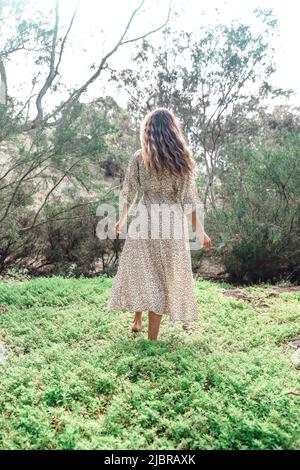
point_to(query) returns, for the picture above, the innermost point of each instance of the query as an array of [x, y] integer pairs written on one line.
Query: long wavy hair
[[163, 144]]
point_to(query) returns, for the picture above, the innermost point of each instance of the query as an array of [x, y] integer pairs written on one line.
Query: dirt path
[[260, 300]]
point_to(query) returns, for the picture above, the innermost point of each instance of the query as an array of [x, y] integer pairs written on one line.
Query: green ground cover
[[75, 377]]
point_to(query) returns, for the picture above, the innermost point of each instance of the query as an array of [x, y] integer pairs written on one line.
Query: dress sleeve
[[131, 183], [188, 194]]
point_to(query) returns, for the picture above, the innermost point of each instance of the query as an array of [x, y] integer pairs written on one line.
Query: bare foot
[[137, 327]]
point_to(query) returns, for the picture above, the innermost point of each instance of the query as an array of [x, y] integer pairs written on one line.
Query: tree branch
[[3, 84], [77, 93], [53, 72]]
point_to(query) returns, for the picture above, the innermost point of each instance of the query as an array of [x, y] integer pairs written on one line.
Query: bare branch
[[77, 93], [3, 83], [53, 72], [64, 40], [50, 77], [153, 30], [19, 183], [54, 218], [54, 188]]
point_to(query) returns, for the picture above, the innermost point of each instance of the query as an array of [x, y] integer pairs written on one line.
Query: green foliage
[[76, 378], [56, 166], [50, 188], [258, 226]]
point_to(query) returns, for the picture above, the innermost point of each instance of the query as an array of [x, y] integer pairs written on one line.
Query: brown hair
[[163, 144]]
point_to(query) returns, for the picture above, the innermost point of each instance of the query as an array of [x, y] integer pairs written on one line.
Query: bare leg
[[153, 326], [137, 324]]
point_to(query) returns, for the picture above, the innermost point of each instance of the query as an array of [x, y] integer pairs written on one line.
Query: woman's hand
[[207, 245], [118, 228], [122, 219]]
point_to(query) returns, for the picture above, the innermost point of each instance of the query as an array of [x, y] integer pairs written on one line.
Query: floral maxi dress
[[154, 272]]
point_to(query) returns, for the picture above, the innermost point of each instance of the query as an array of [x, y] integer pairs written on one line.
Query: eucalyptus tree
[[213, 78], [46, 150]]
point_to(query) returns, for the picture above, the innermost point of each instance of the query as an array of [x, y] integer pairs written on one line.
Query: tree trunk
[[3, 84]]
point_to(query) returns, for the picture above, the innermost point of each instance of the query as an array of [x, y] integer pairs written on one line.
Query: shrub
[[258, 228]]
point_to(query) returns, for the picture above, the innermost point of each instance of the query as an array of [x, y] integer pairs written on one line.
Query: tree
[[53, 150], [212, 81]]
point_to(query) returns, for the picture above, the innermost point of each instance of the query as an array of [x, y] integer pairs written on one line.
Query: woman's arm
[[123, 217], [129, 190], [198, 228], [189, 197]]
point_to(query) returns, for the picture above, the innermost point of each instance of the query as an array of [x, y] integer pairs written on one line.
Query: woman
[[154, 272]]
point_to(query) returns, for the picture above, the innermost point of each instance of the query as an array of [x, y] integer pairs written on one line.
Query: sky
[[98, 24]]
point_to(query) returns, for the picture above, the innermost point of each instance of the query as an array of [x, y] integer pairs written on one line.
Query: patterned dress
[[154, 271]]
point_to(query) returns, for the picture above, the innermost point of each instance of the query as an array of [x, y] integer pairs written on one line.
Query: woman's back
[[154, 271], [156, 188], [152, 183]]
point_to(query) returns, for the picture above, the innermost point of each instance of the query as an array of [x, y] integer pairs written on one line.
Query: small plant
[[71, 271], [111, 270], [17, 274]]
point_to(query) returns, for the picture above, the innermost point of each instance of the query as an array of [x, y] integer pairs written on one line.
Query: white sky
[[98, 25]]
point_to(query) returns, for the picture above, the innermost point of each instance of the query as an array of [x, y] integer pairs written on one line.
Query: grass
[[76, 378]]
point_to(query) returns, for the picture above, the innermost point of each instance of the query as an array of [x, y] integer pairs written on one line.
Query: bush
[[258, 229], [65, 245]]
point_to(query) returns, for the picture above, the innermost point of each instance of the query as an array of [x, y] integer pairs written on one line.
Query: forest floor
[[73, 376]]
